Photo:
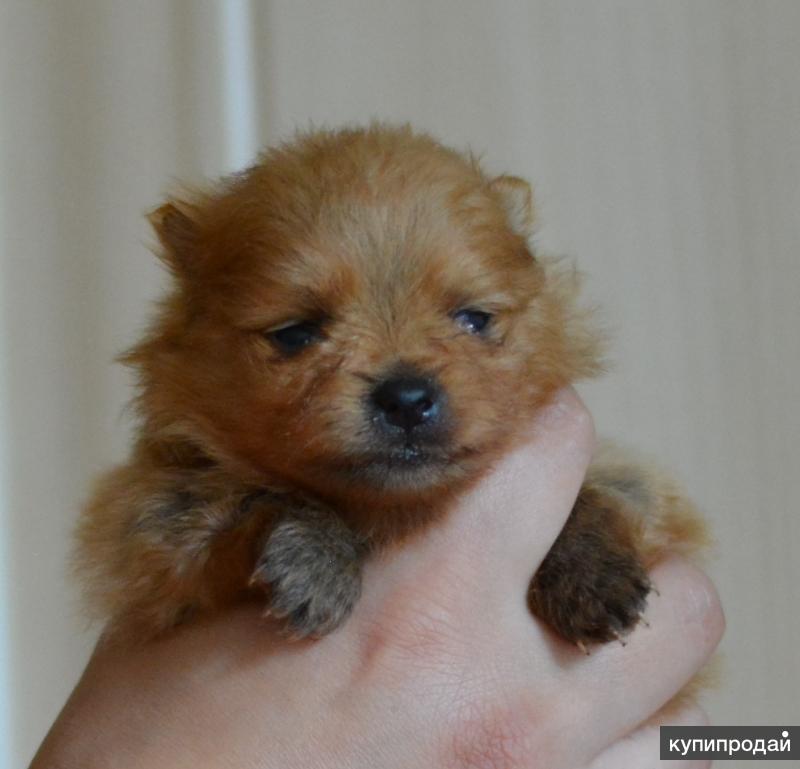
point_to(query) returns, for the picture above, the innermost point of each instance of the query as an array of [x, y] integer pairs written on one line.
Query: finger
[[641, 749], [505, 525], [618, 684], [491, 541]]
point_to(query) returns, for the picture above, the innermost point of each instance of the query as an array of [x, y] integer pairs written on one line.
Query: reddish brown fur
[[315, 228], [384, 233]]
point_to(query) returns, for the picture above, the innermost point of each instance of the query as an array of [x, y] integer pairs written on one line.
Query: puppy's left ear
[[174, 223], [516, 197]]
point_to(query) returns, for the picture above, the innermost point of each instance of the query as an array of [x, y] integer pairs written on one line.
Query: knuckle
[[582, 423], [703, 607], [494, 737], [574, 419]]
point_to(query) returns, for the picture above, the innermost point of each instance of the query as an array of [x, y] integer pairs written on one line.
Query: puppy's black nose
[[407, 401]]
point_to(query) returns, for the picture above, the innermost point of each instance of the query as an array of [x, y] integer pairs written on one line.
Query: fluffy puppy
[[357, 327]]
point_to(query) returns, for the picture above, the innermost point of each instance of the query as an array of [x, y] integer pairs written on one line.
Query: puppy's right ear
[[177, 230], [516, 197]]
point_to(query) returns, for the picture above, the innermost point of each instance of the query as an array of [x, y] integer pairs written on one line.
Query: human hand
[[440, 665]]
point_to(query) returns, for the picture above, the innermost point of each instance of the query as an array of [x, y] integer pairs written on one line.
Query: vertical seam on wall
[[5, 582], [238, 83]]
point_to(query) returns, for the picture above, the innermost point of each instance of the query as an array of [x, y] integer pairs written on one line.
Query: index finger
[[514, 515]]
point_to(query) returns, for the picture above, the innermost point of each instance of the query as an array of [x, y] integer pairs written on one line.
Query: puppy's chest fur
[[404, 273]]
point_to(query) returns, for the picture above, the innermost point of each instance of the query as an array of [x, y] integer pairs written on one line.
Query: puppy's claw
[[583, 648]]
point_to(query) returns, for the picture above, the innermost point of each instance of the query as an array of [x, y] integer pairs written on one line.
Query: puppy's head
[[359, 312]]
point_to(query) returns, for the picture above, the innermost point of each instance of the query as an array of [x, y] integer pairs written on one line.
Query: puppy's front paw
[[601, 601], [312, 568], [592, 587]]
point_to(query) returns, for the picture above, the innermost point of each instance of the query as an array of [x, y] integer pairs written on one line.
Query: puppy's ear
[[177, 230], [516, 197]]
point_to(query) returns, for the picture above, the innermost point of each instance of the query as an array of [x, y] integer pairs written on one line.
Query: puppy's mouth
[[406, 466], [401, 458], [406, 457]]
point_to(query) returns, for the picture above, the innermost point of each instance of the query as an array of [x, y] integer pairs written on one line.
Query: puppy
[[357, 327]]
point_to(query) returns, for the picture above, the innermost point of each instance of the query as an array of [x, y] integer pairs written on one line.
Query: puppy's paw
[[592, 587], [311, 565], [603, 600]]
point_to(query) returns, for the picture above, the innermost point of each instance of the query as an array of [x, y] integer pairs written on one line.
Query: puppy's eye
[[293, 338], [473, 321]]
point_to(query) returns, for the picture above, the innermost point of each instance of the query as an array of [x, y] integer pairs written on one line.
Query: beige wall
[[662, 136]]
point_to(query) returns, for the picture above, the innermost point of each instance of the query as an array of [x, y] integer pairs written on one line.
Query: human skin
[[441, 665]]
